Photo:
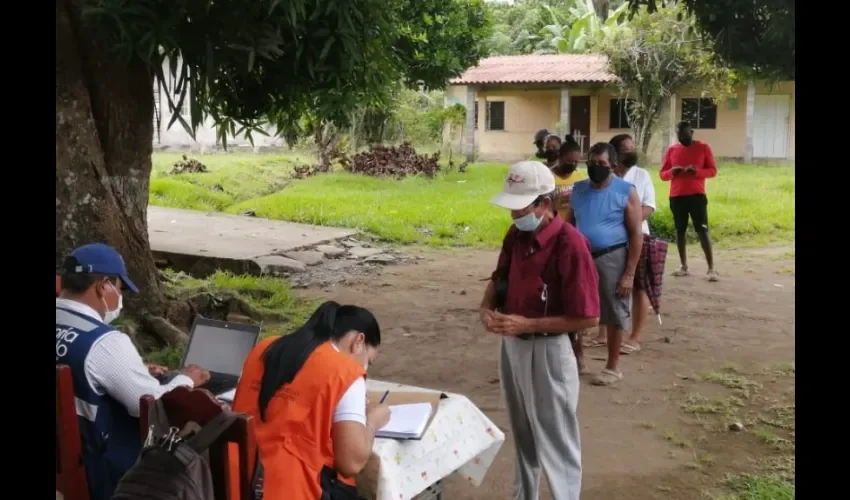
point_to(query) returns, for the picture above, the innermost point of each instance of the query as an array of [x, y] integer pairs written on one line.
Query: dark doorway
[[580, 121]]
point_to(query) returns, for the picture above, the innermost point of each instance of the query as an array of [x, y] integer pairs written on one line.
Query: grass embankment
[[749, 205], [760, 406], [283, 309]]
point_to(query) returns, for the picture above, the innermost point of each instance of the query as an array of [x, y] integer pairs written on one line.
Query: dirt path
[[663, 432]]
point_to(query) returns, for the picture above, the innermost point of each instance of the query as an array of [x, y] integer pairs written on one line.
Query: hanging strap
[[158, 418], [212, 431]]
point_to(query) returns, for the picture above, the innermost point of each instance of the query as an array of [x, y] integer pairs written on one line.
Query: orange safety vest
[[295, 439]]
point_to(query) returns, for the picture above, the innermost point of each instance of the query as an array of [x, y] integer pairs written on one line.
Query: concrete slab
[[184, 235]]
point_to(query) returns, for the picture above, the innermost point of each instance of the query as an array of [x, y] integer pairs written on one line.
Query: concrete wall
[[528, 110], [205, 137]]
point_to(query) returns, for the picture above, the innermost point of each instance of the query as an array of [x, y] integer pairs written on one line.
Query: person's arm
[[353, 437], [633, 222], [579, 288], [709, 167], [502, 268], [115, 367], [488, 302], [647, 198], [666, 172]]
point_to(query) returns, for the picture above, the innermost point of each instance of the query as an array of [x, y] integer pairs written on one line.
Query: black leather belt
[[529, 336], [599, 253]]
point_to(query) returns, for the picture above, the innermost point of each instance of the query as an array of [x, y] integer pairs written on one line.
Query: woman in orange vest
[[307, 394]]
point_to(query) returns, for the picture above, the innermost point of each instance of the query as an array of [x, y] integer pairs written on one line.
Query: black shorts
[[693, 206]]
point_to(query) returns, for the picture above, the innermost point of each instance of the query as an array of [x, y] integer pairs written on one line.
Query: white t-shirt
[[352, 405], [642, 182]]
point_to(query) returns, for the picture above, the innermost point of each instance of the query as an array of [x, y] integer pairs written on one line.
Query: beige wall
[[727, 140], [527, 111]]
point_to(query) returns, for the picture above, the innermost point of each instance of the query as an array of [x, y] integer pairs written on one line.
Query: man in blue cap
[[108, 373]]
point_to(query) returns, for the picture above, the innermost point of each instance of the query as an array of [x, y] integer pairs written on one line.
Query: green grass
[[758, 487], [232, 178], [748, 204], [766, 413]]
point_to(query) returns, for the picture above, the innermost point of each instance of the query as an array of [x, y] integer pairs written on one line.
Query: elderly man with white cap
[[545, 285]]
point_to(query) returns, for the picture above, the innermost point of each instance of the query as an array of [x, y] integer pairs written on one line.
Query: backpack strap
[[212, 431]]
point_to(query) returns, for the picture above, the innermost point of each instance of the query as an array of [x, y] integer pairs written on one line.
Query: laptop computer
[[220, 347]]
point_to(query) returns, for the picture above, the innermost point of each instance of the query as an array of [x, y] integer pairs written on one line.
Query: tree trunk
[[104, 134], [643, 127], [602, 7]]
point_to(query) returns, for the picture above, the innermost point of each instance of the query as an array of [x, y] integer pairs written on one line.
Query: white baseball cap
[[526, 181]]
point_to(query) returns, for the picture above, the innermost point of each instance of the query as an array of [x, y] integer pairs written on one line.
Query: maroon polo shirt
[[572, 281]]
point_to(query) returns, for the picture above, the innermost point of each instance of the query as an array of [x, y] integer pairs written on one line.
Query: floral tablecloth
[[460, 439]]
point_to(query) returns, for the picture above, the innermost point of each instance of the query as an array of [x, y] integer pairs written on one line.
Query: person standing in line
[[551, 150], [551, 288], [540, 143], [606, 210], [566, 175], [628, 170], [687, 165]]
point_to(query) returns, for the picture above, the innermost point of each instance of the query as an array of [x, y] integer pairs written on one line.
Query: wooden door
[[580, 121]]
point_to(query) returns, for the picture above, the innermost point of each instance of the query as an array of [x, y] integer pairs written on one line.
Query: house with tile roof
[[509, 98]]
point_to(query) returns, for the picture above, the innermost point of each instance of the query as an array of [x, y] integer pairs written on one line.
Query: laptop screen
[[219, 349]]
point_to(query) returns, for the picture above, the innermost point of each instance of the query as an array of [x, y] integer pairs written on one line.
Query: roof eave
[[525, 82]]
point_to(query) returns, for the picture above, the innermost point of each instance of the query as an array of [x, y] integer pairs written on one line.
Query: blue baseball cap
[[98, 258]]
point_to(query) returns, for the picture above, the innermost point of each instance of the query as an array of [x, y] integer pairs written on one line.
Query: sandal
[[713, 275], [682, 271], [607, 377], [627, 349], [596, 343]]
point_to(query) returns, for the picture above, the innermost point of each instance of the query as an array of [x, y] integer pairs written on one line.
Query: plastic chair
[[70, 471]]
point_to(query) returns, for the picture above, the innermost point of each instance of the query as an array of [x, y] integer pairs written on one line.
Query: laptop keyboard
[[219, 383]]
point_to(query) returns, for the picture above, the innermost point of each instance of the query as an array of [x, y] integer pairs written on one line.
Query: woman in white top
[[627, 169]]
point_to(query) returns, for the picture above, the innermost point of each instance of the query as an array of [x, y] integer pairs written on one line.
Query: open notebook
[[407, 421]]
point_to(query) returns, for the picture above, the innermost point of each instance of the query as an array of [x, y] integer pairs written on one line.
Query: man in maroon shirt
[[687, 165], [545, 284]]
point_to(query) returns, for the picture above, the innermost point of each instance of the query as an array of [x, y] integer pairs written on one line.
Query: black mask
[[540, 154], [563, 169], [685, 140], [629, 159], [597, 173], [568, 168], [551, 154]]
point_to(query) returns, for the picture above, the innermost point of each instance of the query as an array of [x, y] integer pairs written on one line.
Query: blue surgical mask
[[529, 222]]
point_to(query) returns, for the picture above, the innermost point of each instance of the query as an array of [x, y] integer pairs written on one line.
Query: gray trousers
[[540, 385]]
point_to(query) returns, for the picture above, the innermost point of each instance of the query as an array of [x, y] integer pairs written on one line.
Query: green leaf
[[327, 48], [251, 56]]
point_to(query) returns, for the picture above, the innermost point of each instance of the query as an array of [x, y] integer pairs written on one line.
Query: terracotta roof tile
[[563, 68]]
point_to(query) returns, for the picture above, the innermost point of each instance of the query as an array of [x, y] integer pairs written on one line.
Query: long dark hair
[[284, 357]]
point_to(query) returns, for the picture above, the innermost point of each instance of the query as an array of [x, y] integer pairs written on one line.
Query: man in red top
[[687, 165], [545, 285]]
